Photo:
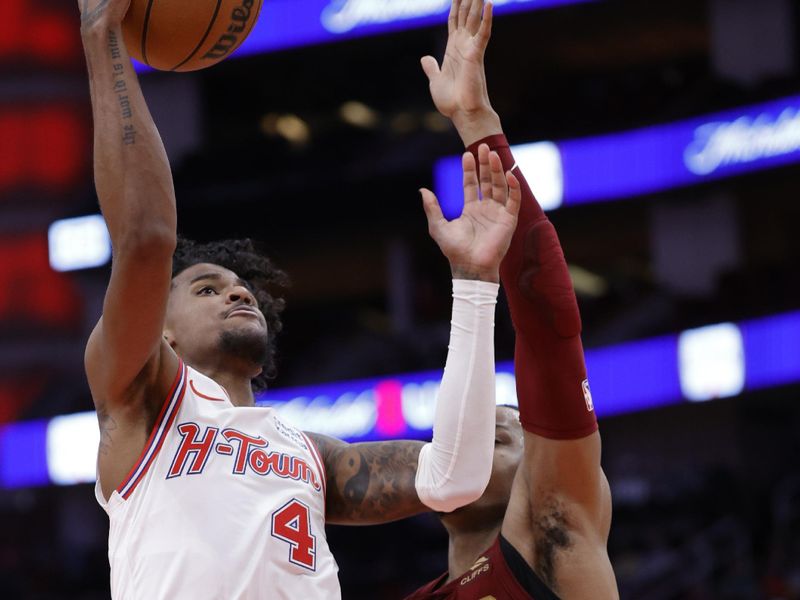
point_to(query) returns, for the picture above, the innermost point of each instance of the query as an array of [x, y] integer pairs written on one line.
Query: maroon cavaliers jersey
[[500, 573]]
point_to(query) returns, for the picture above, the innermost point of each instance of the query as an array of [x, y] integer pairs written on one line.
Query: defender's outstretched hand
[[458, 87], [476, 242]]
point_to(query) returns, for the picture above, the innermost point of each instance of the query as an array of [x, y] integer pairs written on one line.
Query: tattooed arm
[[127, 364], [370, 483]]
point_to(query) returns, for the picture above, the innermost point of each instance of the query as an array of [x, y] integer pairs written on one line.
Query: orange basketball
[[186, 35]]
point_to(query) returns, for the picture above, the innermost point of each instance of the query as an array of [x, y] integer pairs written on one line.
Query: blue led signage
[[648, 160], [697, 365], [292, 23]]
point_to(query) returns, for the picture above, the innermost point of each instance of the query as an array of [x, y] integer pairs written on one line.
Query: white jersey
[[224, 503]]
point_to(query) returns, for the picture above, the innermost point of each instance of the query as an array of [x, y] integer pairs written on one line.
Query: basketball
[[187, 35]]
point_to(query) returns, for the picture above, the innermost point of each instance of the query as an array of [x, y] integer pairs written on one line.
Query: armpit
[[551, 536]]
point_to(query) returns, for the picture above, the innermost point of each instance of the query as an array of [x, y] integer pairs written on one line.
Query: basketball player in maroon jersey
[[541, 528]]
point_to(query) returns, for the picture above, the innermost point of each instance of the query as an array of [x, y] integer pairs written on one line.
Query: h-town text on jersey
[[249, 455]]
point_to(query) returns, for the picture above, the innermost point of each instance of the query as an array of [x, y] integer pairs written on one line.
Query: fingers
[[473, 22], [492, 180], [431, 67], [452, 20], [485, 31], [473, 15], [514, 194], [431, 205], [463, 13], [470, 178], [485, 171], [499, 192]]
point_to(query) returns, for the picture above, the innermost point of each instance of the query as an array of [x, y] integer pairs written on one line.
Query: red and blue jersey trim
[[160, 430], [315, 454]]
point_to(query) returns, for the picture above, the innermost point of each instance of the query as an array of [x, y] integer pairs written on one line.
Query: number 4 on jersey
[[292, 524]]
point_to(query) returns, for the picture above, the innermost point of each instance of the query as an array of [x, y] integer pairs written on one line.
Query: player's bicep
[[129, 334], [559, 491], [371, 482], [569, 470]]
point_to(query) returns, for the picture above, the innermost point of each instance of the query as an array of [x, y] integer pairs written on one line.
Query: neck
[[239, 388], [466, 546], [235, 376]]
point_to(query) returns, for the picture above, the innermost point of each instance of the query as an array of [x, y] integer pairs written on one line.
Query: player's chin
[[247, 333], [248, 342]]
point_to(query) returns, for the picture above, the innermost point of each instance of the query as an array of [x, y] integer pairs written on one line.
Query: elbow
[[445, 482], [474, 486], [469, 494], [458, 491], [449, 498]]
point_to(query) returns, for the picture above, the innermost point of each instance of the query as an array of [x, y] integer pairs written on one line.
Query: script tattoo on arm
[[121, 89], [371, 482]]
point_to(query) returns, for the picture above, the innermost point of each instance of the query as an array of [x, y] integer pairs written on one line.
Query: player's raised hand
[[110, 12], [476, 242], [458, 87]]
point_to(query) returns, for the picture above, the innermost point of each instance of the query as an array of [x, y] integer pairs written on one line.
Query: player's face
[[211, 311], [508, 449]]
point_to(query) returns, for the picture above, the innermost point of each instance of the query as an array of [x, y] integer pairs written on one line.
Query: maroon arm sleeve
[[554, 397]]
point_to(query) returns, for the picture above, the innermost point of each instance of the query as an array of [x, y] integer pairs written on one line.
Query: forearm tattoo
[[121, 89], [370, 482]]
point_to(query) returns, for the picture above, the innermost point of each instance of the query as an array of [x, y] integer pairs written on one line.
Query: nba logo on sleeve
[[587, 395]]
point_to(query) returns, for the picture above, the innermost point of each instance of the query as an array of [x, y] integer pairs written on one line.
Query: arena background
[[676, 144]]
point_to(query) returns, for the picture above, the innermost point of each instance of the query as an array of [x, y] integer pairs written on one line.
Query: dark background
[[707, 497]]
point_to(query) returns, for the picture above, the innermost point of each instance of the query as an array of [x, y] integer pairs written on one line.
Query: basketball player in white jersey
[[208, 496]]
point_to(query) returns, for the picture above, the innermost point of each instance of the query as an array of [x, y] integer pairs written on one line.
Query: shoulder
[[326, 443], [148, 387], [329, 448]]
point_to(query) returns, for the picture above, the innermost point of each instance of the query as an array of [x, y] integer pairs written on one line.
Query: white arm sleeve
[[454, 469]]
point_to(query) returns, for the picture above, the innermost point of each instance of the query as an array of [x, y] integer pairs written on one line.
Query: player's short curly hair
[[243, 258]]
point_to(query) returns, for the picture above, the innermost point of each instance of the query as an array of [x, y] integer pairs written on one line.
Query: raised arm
[[124, 354], [560, 509], [384, 481]]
